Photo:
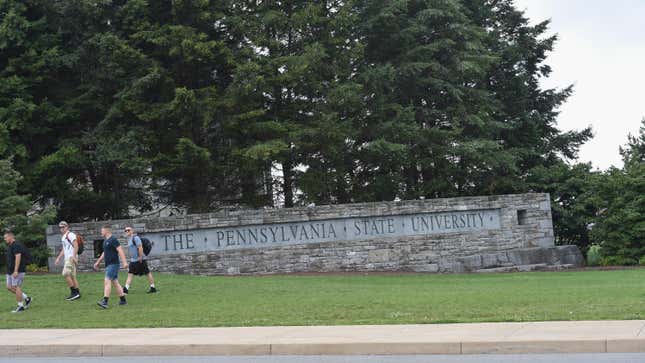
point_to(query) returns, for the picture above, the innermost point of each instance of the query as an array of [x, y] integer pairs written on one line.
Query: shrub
[[593, 256], [35, 268], [619, 261], [642, 261]]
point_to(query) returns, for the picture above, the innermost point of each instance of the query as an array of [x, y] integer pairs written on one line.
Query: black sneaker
[[27, 302], [123, 302], [152, 290], [74, 296], [18, 309], [103, 304], [125, 290]]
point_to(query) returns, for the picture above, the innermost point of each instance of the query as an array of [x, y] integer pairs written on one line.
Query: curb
[[356, 348], [627, 336]]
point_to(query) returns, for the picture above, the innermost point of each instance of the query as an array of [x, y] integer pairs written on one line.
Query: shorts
[[139, 268], [69, 269], [15, 281], [112, 272]]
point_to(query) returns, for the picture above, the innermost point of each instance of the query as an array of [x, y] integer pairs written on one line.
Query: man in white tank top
[[70, 251]]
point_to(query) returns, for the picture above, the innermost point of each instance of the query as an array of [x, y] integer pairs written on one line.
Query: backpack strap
[[68, 240]]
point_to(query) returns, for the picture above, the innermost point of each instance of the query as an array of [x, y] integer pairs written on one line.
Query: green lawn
[[191, 301]]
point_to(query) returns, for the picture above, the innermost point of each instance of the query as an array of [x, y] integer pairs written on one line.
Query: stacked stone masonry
[[508, 233]]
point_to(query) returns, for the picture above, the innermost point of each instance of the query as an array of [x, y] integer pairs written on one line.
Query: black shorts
[[139, 268]]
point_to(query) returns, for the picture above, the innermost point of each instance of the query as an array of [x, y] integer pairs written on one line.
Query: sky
[[601, 51]]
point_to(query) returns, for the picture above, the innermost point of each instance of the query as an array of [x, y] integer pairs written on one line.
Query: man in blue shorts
[[16, 261], [112, 251]]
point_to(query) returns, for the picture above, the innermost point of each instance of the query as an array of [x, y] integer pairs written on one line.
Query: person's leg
[[119, 291], [74, 279], [19, 298], [107, 288], [151, 280], [128, 280], [69, 271]]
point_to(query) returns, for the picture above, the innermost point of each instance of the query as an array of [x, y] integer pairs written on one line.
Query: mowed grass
[[206, 301]]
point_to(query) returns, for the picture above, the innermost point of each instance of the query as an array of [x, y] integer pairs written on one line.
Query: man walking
[[138, 263], [16, 261], [70, 251], [112, 251]]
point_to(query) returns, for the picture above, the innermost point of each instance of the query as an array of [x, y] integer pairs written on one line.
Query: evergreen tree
[[620, 227]]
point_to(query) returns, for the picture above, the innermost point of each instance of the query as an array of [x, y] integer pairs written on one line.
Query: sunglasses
[[128, 230]]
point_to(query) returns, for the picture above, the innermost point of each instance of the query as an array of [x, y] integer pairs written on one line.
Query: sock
[[20, 304], [127, 286], [152, 285], [122, 298], [24, 296], [105, 299]]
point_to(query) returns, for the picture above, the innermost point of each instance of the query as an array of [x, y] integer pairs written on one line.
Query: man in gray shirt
[[138, 263]]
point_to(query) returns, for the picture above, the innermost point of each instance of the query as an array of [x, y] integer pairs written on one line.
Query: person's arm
[[15, 269], [75, 244], [96, 264], [124, 261], [60, 255], [140, 249]]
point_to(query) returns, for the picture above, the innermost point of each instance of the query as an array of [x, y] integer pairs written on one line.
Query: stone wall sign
[[332, 230], [468, 234]]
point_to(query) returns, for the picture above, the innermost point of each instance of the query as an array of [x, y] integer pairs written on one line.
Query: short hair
[[63, 224], [9, 233], [107, 227]]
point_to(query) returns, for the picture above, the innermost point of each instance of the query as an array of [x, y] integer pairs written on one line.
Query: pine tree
[[620, 227]]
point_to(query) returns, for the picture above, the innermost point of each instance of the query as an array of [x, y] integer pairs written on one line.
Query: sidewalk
[[538, 337]]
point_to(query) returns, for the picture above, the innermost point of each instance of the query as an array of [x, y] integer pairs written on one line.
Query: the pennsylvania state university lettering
[[340, 229]]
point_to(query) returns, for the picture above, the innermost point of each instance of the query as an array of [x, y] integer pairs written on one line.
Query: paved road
[[525, 358]]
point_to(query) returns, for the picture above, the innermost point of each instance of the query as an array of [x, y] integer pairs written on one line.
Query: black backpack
[[147, 245]]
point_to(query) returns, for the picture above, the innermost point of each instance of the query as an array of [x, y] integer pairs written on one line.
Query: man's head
[[63, 226], [9, 237], [129, 231], [106, 231]]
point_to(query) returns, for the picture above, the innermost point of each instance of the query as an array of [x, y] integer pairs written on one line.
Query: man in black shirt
[[16, 261], [112, 250]]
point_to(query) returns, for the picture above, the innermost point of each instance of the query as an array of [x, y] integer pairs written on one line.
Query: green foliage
[[574, 199], [34, 267], [620, 226], [618, 261], [594, 257], [18, 216]]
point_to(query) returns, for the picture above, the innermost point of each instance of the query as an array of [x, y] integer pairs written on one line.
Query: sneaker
[[74, 296], [103, 304], [123, 302], [152, 290], [18, 309], [125, 290], [27, 302]]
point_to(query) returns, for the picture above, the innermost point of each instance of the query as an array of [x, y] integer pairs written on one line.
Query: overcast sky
[[601, 50]]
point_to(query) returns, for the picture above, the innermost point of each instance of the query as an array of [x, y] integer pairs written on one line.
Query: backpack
[[146, 244], [80, 241]]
